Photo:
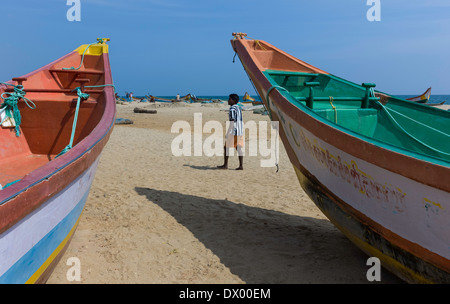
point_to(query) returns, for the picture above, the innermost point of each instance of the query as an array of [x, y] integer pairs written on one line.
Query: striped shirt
[[235, 115]]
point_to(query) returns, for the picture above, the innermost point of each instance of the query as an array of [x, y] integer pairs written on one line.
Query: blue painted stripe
[[24, 268]]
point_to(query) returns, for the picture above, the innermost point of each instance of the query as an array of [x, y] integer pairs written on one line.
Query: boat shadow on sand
[[266, 246]]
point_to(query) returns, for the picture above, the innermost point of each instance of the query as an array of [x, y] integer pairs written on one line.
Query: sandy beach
[[152, 217]]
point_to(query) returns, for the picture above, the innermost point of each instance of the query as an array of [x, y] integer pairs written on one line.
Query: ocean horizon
[[433, 98]]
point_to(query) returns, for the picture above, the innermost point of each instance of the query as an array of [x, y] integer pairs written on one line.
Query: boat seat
[[66, 91], [311, 98], [78, 72], [81, 84], [67, 78], [362, 121]]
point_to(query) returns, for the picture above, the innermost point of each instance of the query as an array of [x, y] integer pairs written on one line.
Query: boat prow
[[424, 98]]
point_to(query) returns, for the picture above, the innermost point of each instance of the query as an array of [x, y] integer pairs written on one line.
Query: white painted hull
[[30, 246], [414, 211]]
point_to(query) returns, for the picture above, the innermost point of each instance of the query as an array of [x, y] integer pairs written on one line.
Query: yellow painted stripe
[[93, 50], [387, 261], [52, 257]]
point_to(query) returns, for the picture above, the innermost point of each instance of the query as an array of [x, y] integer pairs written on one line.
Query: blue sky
[[165, 47]]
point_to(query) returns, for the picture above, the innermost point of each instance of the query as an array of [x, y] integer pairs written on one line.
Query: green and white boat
[[377, 166]]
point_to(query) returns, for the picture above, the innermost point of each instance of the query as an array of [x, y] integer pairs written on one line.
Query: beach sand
[[152, 217]]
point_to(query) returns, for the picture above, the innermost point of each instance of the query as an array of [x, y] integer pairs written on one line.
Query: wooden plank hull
[[40, 211], [392, 205]]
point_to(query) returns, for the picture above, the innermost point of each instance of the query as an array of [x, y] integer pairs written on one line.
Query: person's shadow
[[201, 167], [265, 246]]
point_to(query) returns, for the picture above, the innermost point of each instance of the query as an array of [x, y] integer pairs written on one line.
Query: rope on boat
[[334, 108], [82, 58], [101, 86], [269, 111], [99, 41], [81, 96], [387, 110], [267, 97], [10, 100]]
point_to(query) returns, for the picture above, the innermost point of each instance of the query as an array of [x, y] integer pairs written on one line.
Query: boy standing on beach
[[235, 134]]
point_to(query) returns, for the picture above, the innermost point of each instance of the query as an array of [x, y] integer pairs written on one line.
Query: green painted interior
[[430, 127]]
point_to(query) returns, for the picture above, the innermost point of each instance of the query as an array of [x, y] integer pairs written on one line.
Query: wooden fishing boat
[[162, 99], [377, 166], [247, 98], [424, 98], [49, 157], [436, 104]]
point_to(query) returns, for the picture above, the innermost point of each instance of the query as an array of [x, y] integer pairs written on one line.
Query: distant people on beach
[[178, 97], [235, 134], [129, 96]]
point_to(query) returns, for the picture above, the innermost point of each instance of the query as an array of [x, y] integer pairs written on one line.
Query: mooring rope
[[10, 100], [81, 96]]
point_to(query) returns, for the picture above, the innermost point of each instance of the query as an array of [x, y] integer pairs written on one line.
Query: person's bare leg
[[241, 166], [241, 158], [225, 159]]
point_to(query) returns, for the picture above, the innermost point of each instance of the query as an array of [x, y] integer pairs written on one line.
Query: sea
[[209, 97], [433, 99]]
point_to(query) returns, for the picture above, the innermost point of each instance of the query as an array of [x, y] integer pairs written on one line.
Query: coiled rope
[[10, 100]]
